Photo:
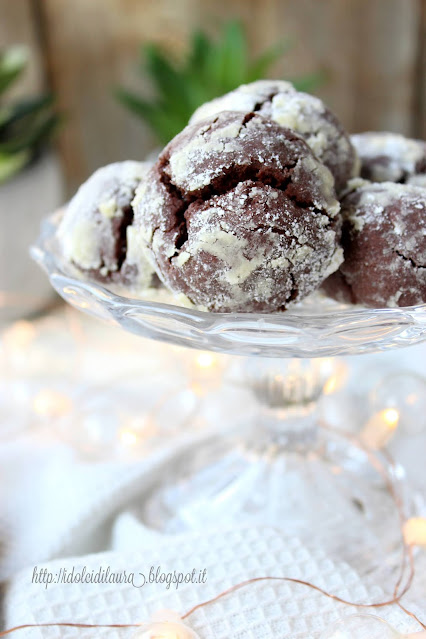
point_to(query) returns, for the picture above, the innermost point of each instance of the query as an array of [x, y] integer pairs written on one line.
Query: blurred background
[[372, 54], [365, 58]]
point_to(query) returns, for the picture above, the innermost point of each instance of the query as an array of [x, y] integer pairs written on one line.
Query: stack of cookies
[[262, 199]]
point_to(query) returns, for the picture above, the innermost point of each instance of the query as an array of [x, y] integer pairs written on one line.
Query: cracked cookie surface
[[304, 113], [96, 233], [239, 215], [384, 243]]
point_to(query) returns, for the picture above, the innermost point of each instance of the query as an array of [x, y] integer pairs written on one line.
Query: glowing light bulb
[[204, 372], [19, 335], [334, 373], [142, 427], [405, 392], [17, 341], [415, 531], [361, 627], [166, 625], [330, 386], [128, 437], [390, 417], [50, 403], [380, 428], [205, 360]]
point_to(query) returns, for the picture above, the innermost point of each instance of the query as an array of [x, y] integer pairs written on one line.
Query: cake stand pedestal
[[283, 467]]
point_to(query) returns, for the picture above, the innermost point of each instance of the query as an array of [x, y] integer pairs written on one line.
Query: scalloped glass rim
[[317, 327]]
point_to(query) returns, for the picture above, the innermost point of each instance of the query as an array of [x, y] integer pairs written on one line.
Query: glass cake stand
[[283, 467]]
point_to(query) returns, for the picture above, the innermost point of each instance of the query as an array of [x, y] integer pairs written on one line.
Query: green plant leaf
[[199, 49], [28, 125], [31, 107], [10, 164], [12, 62], [29, 132], [43, 132], [234, 55], [309, 82], [171, 85], [163, 122], [212, 67], [25, 125], [195, 75], [6, 113], [226, 61], [259, 68]]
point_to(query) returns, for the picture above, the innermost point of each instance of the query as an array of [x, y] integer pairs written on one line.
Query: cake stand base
[[286, 469]]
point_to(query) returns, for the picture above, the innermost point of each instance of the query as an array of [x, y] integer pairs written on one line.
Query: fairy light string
[[226, 592], [407, 568], [399, 590]]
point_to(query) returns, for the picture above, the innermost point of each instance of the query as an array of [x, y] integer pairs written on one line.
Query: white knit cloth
[[263, 610]]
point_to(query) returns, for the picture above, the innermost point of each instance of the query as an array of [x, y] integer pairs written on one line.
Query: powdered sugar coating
[[417, 180], [384, 242], [390, 157], [239, 215], [304, 113], [96, 232]]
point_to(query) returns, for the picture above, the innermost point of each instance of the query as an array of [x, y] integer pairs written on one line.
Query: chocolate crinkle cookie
[[384, 243], [96, 232], [390, 157], [239, 215], [304, 113]]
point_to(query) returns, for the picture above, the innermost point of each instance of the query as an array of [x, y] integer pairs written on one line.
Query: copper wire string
[[411, 614], [398, 592]]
